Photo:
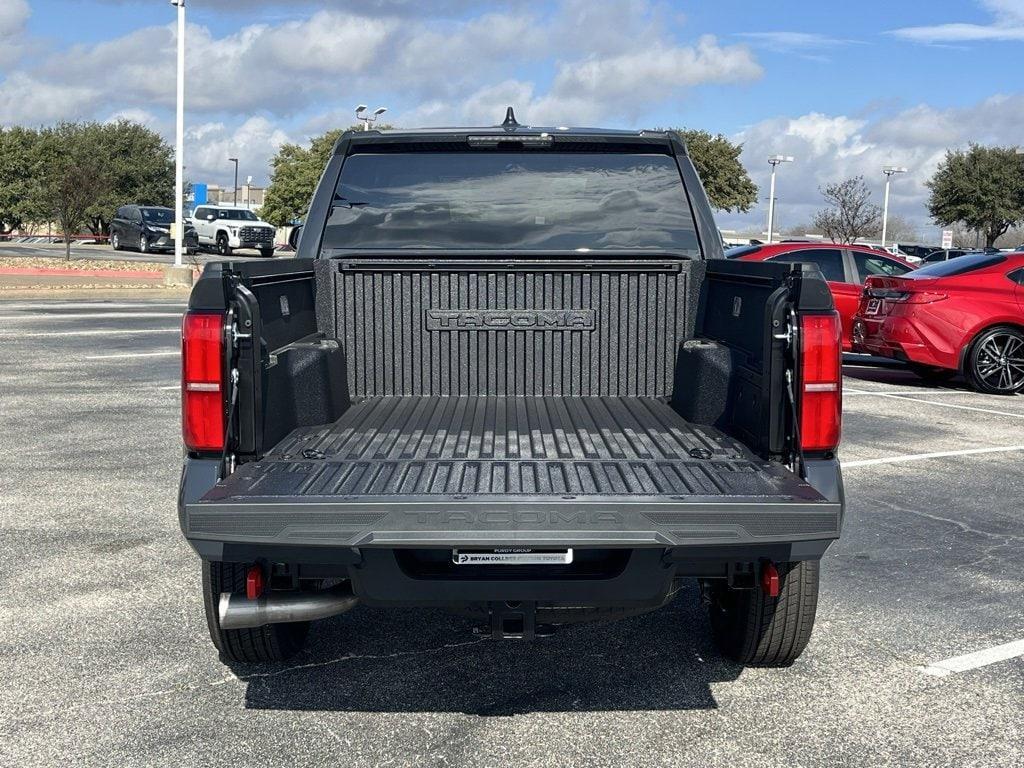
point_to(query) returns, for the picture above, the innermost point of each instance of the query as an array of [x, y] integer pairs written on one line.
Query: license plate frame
[[512, 556]]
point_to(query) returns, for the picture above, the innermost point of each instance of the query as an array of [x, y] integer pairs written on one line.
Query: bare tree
[[851, 214], [902, 230]]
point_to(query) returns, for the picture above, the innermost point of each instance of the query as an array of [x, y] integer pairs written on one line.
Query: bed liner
[[492, 470]]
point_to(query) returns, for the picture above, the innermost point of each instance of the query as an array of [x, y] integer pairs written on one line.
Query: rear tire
[[262, 645], [756, 630], [115, 241], [995, 362]]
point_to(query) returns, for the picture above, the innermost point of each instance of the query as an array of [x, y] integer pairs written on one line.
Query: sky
[[845, 88]]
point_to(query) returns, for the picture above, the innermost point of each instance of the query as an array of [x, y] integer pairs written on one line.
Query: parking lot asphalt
[[105, 252], [107, 661]]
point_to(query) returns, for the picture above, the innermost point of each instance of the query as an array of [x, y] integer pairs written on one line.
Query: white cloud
[[24, 100], [829, 148], [1007, 25], [790, 42], [609, 89], [13, 17], [209, 145]]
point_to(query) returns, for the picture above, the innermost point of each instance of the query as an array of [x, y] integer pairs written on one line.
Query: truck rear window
[[522, 201]]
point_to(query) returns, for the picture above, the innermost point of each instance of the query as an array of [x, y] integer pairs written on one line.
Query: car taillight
[[202, 381], [905, 297], [821, 386]]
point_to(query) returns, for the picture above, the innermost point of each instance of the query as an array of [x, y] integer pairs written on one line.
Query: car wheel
[[260, 645], [995, 362], [143, 244], [931, 374], [223, 248], [267, 253], [755, 629], [115, 241]]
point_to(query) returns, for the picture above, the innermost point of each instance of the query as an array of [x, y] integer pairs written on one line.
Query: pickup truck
[[230, 229], [509, 373]]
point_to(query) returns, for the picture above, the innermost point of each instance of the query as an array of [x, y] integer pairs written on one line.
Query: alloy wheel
[[999, 362]]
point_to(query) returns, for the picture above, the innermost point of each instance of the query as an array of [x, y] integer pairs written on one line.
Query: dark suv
[[148, 228]]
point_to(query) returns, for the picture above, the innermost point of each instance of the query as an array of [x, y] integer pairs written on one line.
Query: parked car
[[227, 229], [517, 380], [147, 228], [915, 252], [845, 267], [945, 254], [966, 314]]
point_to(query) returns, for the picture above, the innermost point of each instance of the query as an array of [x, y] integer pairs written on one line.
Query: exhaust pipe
[[238, 612]]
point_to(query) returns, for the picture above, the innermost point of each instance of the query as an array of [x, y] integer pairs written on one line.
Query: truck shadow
[[430, 661]]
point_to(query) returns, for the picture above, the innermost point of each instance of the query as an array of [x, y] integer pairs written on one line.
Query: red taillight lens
[[821, 386], [202, 381]]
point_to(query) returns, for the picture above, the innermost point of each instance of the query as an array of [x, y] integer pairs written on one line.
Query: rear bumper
[[898, 337]]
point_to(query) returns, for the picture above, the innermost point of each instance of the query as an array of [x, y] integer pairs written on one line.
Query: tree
[[851, 214], [139, 167], [982, 188], [717, 161], [296, 171], [19, 161], [901, 230], [72, 177]]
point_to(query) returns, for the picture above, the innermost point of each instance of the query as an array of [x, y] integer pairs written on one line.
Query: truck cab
[[510, 374]]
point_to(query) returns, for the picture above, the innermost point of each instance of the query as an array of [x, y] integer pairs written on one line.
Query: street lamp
[[774, 161], [889, 170], [361, 109], [235, 161], [179, 141]]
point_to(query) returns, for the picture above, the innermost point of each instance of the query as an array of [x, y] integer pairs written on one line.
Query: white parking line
[[96, 316], [974, 660], [112, 332], [175, 353], [848, 391], [941, 405], [88, 305], [923, 456]]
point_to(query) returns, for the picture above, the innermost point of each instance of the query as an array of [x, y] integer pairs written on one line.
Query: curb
[[110, 273]]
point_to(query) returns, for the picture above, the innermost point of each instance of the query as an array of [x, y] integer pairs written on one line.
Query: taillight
[[905, 297], [202, 381], [821, 386]]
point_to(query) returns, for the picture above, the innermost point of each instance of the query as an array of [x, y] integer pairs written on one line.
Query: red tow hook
[[254, 582], [770, 579]]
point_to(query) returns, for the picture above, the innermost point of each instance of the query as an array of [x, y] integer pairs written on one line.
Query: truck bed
[[422, 471]]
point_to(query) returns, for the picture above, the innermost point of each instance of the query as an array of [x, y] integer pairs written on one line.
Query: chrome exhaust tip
[[238, 612]]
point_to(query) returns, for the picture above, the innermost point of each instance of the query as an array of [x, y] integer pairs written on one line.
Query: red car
[[966, 314], [845, 267]]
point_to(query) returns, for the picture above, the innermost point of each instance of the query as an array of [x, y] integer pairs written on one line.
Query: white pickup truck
[[228, 229]]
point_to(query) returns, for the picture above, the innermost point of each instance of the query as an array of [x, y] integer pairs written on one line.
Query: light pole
[[235, 161], [179, 142], [367, 121], [774, 161], [889, 170]]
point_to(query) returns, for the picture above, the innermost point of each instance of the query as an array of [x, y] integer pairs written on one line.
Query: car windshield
[[157, 215], [530, 201], [236, 214], [958, 266]]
